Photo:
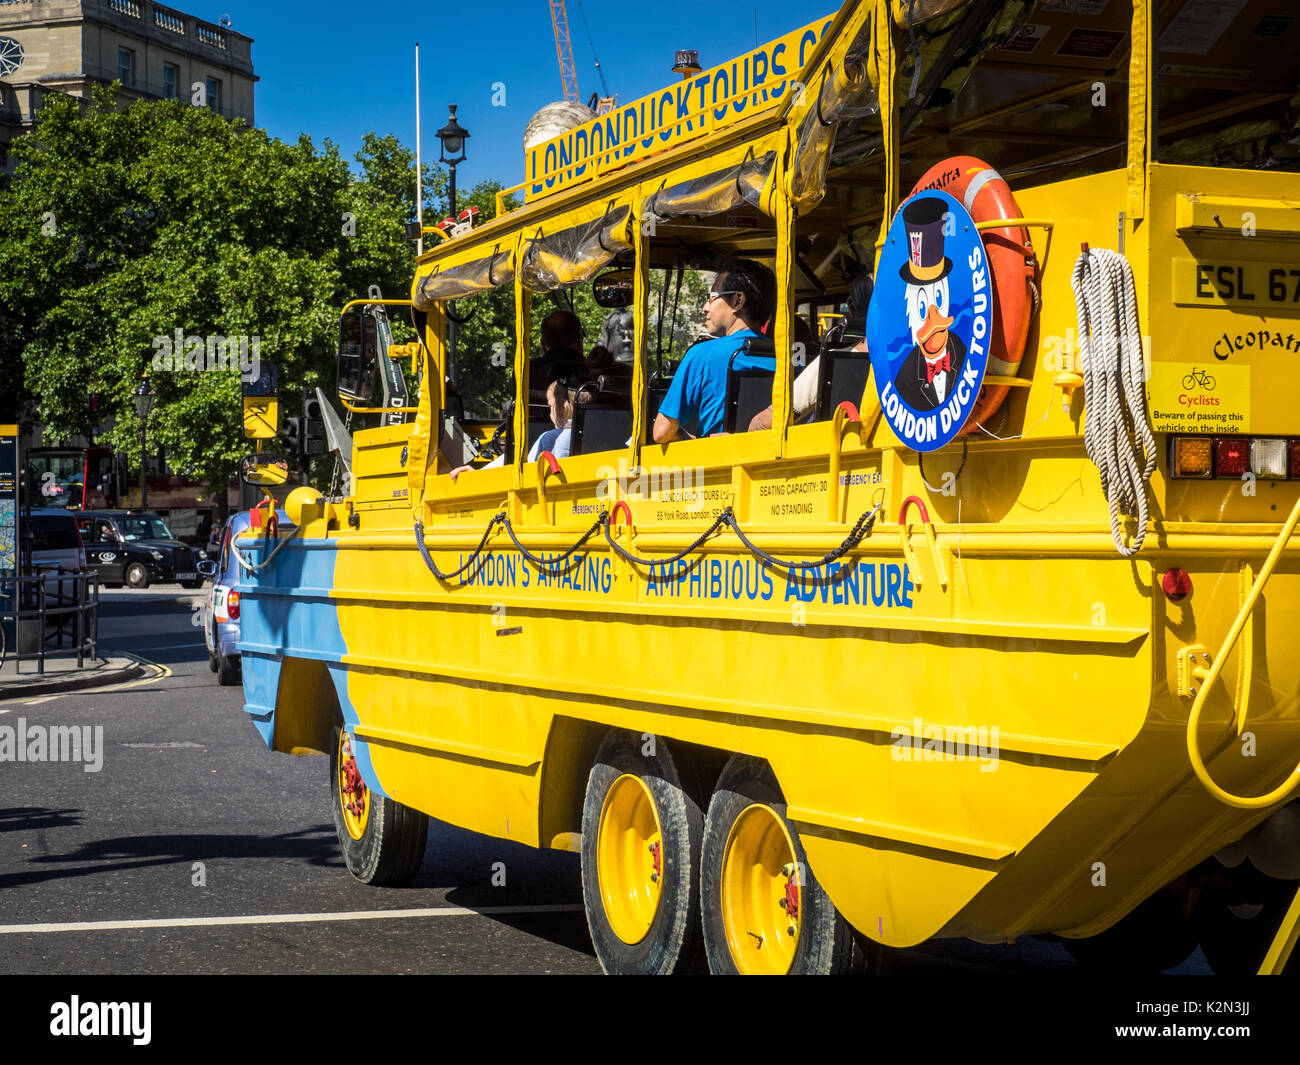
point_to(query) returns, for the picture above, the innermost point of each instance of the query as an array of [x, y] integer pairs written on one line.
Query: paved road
[[192, 819]]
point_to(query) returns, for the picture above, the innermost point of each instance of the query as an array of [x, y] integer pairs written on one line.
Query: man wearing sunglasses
[[742, 299]]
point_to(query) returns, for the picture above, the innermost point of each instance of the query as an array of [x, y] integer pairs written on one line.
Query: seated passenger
[[742, 299], [561, 350], [560, 397], [805, 385], [600, 363]]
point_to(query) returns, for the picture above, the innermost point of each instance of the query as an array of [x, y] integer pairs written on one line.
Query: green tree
[[122, 226]]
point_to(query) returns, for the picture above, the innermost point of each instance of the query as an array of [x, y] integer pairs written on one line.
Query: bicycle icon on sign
[[1198, 379]]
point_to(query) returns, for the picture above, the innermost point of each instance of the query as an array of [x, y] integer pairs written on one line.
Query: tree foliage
[[122, 226]]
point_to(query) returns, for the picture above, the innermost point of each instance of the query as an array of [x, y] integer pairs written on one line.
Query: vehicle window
[[145, 527], [52, 532], [225, 552], [589, 408]]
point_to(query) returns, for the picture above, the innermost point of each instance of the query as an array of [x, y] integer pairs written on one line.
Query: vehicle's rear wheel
[[764, 911], [1152, 938], [229, 671], [136, 575], [213, 662], [382, 840], [1237, 920], [641, 827]]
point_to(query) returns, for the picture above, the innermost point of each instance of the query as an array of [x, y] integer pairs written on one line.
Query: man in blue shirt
[[741, 301]]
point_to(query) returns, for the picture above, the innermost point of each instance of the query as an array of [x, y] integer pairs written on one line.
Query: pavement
[[62, 675], [20, 680]]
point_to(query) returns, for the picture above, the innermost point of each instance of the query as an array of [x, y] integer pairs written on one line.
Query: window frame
[[126, 67]]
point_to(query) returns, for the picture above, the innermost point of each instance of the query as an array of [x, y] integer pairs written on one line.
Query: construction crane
[[602, 103], [568, 73]]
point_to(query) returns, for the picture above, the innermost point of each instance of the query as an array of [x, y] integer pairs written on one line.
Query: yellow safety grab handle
[[546, 464], [909, 555], [1242, 802]]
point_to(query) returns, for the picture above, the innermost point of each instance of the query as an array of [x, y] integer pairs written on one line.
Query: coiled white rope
[[1115, 432]]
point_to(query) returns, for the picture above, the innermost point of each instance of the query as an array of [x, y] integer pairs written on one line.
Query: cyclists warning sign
[[1187, 398]]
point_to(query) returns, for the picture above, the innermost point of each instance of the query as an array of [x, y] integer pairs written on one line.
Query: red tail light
[[1176, 584], [232, 605], [1231, 456]]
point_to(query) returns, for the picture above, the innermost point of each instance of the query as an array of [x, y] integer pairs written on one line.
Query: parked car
[[221, 607], [54, 541], [118, 561], [169, 559], [55, 547]]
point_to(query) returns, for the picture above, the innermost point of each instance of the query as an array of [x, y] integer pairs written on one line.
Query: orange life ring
[[986, 196]]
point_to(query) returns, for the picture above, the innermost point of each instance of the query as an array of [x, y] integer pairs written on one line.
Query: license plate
[[186, 576]]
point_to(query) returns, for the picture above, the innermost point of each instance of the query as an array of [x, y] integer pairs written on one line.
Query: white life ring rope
[[1110, 349]]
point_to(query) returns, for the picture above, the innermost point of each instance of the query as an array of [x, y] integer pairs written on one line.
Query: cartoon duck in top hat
[[933, 366]]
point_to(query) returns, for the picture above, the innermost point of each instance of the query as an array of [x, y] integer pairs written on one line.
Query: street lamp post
[[143, 397], [452, 138]]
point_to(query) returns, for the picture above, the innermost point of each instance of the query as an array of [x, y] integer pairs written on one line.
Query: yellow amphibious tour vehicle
[[996, 637]]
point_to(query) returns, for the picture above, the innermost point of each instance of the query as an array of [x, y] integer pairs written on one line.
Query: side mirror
[[207, 568], [264, 469], [614, 289], [358, 358]]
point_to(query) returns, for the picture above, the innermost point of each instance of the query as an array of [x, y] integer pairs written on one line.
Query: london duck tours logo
[[928, 328]]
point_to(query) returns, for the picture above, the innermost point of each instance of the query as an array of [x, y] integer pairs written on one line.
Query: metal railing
[[49, 606]]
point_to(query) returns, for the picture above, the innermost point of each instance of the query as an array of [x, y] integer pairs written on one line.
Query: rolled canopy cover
[[464, 279], [574, 255], [723, 190], [845, 96]]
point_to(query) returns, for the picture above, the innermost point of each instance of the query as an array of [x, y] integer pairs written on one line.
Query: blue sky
[[338, 70]]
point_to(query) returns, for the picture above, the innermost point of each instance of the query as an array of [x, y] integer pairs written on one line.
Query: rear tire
[[136, 575], [1152, 938], [229, 672], [213, 663], [1237, 921], [757, 884], [641, 833], [382, 840]]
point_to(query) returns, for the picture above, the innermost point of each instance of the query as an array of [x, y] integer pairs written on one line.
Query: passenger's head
[[561, 395], [742, 297], [560, 400], [561, 329], [860, 294]]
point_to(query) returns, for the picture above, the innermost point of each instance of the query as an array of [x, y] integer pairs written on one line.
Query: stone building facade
[[155, 52]]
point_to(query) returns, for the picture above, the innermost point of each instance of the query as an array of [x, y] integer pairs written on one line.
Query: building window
[[171, 79], [214, 94], [126, 68]]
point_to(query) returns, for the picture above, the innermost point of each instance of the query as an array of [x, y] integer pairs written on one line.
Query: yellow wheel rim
[[354, 796], [629, 858], [762, 893]]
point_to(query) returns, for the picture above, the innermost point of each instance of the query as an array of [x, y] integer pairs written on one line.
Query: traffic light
[[292, 433], [313, 425]]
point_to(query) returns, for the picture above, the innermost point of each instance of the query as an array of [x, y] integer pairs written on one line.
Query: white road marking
[[154, 646], [281, 918], [42, 699]]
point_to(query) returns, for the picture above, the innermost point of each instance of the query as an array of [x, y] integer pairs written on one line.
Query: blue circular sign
[[930, 321]]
